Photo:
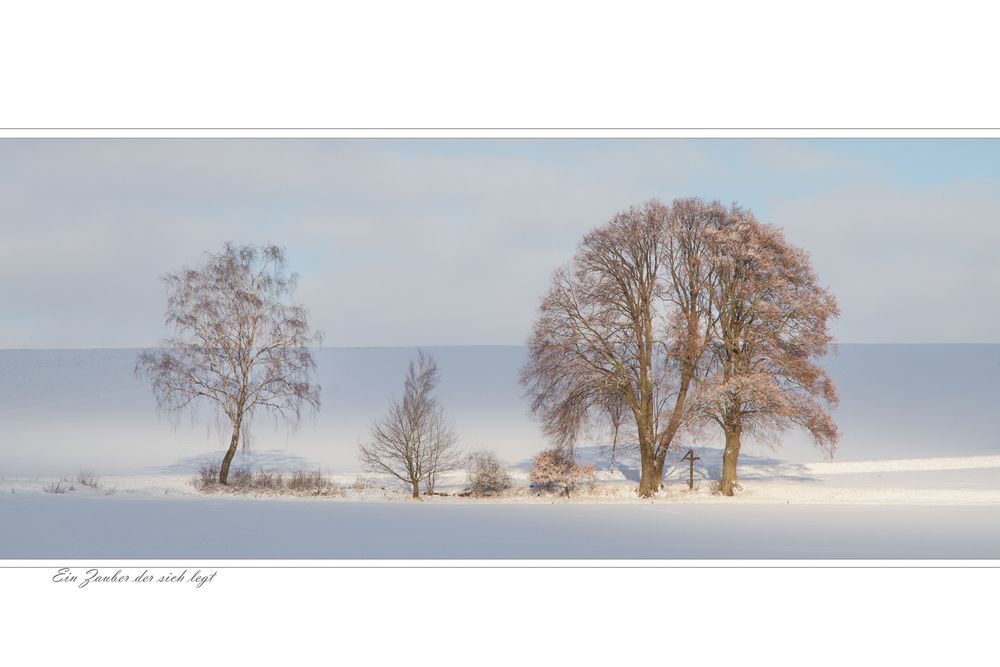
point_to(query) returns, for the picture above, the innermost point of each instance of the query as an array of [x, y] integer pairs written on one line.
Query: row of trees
[[241, 347], [683, 316], [668, 319]]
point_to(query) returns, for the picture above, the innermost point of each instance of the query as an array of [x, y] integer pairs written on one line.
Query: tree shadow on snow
[[749, 467], [271, 460], [709, 468]]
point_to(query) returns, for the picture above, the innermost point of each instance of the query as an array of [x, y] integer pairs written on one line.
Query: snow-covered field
[[929, 508], [146, 525], [917, 474]]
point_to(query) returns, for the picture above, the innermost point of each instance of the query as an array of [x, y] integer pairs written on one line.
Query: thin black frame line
[[504, 129]]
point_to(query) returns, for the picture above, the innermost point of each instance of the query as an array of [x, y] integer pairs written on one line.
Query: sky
[[452, 241]]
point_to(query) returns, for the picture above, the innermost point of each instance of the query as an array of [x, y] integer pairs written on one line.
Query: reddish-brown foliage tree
[[240, 346], [556, 468], [769, 324], [626, 318]]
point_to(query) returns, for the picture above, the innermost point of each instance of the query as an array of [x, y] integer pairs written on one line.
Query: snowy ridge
[[63, 410], [903, 465], [918, 482]]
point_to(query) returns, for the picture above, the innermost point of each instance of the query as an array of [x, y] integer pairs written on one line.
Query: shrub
[[239, 478], [245, 480], [556, 469], [55, 487], [208, 476], [304, 481], [266, 481], [362, 484], [486, 474]]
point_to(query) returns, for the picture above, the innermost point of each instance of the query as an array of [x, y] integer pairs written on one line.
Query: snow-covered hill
[[917, 474], [63, 410]]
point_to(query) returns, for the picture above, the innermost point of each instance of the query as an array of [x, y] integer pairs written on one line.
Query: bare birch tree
[[240, 347], [414, 442], [627, 317], [769, 325]]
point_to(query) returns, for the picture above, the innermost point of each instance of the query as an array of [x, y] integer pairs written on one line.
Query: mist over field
[[63, 410]]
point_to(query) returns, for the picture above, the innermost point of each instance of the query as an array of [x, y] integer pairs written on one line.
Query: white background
[[510, 65], [519, 615], [520, 64]]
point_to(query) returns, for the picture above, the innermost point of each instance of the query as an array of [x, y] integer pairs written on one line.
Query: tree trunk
[[230, 453], [729, 457], [651, 475], [658, 471], [416, 488], [649, 482], [614, 446]]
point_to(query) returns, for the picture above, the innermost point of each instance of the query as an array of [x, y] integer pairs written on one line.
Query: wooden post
[[692, 458]]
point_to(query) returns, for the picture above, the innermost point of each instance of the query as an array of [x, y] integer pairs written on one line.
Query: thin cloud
[[402, 242]]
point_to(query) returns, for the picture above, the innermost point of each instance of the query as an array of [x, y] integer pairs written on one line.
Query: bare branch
[[622, 325], [239, 345], [414, 442]]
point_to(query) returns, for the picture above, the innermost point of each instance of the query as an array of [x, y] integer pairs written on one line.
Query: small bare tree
[[239, 347], [414, 442]]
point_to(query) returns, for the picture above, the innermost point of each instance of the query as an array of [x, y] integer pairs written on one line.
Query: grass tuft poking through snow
[[89, 479], [262, 482]]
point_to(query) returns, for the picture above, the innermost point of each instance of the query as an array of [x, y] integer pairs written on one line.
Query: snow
[[917, 474], [882, 512], [37, 525], [62, 410], [905, 465]]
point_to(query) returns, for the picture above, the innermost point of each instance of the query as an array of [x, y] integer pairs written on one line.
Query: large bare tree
[[769, 326], [627, 317], [414, 442], [240, 346]]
